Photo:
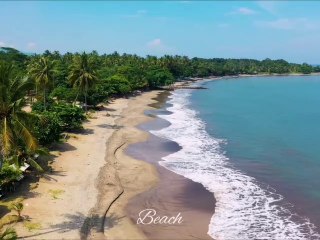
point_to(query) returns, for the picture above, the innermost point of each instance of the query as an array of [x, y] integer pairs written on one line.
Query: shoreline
[[123, 177], [173, 194], [188, 81], [135, 177]]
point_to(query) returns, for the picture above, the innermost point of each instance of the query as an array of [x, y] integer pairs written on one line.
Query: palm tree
[[42, 70], [82, 75], [17, 207], [15, 124]]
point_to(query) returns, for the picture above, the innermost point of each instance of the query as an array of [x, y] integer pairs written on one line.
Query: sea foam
[[244, 209]]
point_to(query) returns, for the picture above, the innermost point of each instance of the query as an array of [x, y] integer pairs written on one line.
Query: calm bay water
[[254, 143]]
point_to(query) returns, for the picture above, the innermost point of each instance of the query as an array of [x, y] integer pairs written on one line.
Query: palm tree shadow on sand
[[78, 222]]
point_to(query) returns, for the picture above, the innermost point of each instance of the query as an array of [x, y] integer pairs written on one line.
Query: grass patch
[[32, 226], [9, 203], [8, 219], [56, 193]]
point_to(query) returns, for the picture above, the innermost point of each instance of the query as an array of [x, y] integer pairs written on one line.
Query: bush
[[70, 117], [118, 84], [97, 95], [9, 173], [64, 93], [58, 118], [39, 106], [48, 129]]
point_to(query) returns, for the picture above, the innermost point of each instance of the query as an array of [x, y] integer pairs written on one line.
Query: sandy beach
[[71, 201], [64, 196], [96, 190]]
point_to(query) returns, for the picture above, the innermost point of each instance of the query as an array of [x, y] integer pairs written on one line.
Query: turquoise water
[[271, 130]]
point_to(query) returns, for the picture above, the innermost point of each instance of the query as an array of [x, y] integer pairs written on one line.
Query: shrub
[[59, 117], [17, 207], [39, 106], [70, 117], [48, 129], [118, 84], [64, 93], [98, 94], [8, 173]]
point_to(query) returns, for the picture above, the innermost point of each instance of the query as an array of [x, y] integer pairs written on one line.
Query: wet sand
[[173, 194]]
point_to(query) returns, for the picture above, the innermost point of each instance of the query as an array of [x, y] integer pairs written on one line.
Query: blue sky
[[231, 29]]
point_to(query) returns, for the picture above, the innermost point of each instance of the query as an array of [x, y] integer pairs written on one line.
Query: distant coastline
[[186, 82]]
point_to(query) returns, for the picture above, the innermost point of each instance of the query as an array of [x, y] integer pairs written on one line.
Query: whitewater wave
[[244, 209]]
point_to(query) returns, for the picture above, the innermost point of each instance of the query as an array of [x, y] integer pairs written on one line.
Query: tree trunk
[[1, 163], [74, 103], [44, 99], [85, 95], [85, 100]]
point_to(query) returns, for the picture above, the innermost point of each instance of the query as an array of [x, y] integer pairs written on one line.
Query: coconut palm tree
[[82, 75], [17, 207], [15, 124], [42, 71]]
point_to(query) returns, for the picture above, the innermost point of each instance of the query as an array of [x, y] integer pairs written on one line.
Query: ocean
[[254, 143]]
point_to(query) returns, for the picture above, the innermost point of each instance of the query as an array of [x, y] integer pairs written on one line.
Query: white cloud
[[3, 44], [31, 45], [244, 11], [289, 24], [156, 43], [157, 46]]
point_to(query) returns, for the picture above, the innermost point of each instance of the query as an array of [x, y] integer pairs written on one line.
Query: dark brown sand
[[174, 193]]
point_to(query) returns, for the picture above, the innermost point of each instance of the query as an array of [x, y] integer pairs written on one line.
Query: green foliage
[[62, 116], [118, 84], [98, 94], [56, 193], [17, 207], [15, 124], [42, 70], [82, 75], [9, 173], [31, 226], [39, 105], [8, 234], [305, 68], [48, 129], [64, 93], [58, 118], [159, 77], [70, 117]]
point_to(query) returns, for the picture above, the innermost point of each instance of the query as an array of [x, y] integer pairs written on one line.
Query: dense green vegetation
[[59, 86]]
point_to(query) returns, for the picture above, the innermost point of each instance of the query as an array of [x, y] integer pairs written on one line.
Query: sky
[[209, 29]]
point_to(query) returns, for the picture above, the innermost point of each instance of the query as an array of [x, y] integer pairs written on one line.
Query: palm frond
[[24, 134], [34, 164], [7, 136]]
